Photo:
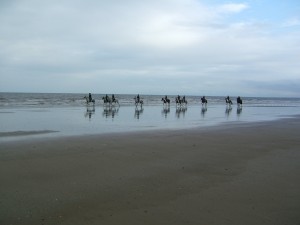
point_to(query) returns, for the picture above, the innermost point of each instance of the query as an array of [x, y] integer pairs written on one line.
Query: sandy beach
[[240, 173]]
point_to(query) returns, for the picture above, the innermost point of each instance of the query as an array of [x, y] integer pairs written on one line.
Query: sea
[[39, 115]]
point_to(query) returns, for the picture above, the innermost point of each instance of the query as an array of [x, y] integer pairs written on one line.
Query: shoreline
[[76, 121], [35, 135], [241, 173]]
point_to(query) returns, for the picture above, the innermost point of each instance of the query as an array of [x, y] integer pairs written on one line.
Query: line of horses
[[180, 102], [106, 100]]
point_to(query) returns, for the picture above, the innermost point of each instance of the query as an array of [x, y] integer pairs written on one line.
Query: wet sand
[[243, 173]]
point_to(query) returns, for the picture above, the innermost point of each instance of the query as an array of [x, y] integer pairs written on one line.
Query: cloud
[[291, 22], [134, 46], [232, 8]]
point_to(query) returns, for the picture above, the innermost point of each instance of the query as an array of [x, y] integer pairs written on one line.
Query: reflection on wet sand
[[228, 110], [165, 111], [180, 111], [239, 110], [110, 112], [90, 110], [138, 111], [203, 110]]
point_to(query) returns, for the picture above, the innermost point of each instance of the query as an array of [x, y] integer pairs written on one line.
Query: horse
[[239, 101], [106, 100], [180, 102], [183, 101], [165, 101], [88, 100], [110, 101], [203, 101], [228, 101], [115, 101], [138, 101]]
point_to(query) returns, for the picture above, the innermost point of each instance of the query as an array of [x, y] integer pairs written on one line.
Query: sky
[[186, 47]]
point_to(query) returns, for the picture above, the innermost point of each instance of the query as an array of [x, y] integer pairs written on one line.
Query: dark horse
[[239, 101], [203, 101], [166, 101], [228, 101]]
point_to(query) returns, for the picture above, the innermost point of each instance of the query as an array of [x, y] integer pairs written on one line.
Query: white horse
[[228, 101], [115, 101], [138, 101], [181, 102], [88, 100], [110, 101]]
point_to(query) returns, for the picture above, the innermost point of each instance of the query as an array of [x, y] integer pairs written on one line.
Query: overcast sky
[[191, 47]]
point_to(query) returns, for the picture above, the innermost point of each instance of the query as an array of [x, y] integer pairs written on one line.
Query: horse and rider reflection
[[89, 112], [110, 112], [180, 111], [228, 110], [239, 111], [165, 111], [138, 112], [203, 110]]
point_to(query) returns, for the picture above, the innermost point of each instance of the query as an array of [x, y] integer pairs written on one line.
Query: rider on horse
[[239, 101], [90, 97], [228, 100], [107, 98], [203, 100]]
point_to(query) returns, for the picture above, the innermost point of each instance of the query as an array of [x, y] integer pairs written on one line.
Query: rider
[[166, 98], [106, 98], [138, 98], [113, 97], [178, 98], [90, 97], [183, 98], [203, 99]]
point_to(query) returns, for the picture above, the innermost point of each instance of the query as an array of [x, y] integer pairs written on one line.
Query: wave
[[8, 100]]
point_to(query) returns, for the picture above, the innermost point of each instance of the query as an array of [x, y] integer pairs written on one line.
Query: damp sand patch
[[25, 133]]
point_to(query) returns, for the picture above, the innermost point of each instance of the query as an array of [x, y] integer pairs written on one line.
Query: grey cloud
[[139, 45]]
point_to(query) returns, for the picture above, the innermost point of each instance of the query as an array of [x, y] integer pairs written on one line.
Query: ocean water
[[34, 115]]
